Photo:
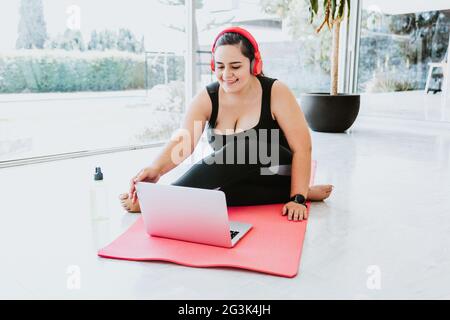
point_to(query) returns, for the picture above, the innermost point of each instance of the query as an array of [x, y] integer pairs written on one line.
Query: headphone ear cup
[[260, 66], [257, 68], [213, 64]]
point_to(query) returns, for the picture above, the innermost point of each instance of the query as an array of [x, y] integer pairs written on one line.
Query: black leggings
[[243, 184]]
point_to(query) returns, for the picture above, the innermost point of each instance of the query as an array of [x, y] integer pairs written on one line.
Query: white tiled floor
[[413, 105], [390, 209]]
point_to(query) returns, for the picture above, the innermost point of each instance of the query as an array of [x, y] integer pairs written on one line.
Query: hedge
[[53, 70]]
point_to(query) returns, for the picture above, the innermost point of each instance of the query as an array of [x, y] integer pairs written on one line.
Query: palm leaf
[[333, 9], [341, 9], [313, 7]]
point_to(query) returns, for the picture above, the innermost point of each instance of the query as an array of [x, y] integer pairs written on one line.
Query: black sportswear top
[[265, 121]]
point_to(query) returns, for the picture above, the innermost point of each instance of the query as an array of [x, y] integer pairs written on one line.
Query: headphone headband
[[242, 32], [257, 66]]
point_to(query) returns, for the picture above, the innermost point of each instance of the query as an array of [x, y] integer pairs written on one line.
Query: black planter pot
[[327, 113]]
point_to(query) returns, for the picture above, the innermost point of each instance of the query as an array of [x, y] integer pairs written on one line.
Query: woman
[[246, 103]]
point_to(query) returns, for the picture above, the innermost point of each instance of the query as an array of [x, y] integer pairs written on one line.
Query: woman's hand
[[295, 211], [149, 174]]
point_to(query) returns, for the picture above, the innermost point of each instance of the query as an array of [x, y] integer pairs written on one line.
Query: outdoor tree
[[93, 42], [333, 15], [70, 40], [295, 15], [107, 39], [32, 30], [127, 42], [124, 40]]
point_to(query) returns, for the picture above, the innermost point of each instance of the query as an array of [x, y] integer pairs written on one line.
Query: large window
[[398, 41], [87, 75], [290, 49]]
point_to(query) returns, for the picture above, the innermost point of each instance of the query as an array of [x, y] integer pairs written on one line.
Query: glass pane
[[397, 45], [279, 27], [89, 75]]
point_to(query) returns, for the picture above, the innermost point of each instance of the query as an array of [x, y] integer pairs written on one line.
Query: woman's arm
[[292, 121], [181, 144], [185, 139]]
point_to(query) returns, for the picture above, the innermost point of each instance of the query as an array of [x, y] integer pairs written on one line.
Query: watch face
[[299, 198]]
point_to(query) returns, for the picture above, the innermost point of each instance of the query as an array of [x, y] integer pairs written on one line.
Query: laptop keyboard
[[233, 233]]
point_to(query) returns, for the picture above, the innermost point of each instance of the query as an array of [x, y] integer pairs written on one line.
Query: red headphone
[[256, 64]]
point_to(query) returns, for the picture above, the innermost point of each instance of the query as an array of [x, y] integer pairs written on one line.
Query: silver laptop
[[188, 214]]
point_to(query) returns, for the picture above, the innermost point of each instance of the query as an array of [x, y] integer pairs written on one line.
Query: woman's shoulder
[[280, 88], [201, 104], [281, 97]]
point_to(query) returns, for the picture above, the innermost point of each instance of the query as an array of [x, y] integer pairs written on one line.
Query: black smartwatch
[[298, 198]]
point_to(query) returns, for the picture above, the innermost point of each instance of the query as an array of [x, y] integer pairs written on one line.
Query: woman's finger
[[132, 188], [291, 213], [296, 214], [136, 178]]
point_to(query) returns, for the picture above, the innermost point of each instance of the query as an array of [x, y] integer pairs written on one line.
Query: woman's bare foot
[[319, 192], [127, 205]]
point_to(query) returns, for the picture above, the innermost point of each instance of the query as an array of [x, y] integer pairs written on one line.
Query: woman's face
[[232, 68]]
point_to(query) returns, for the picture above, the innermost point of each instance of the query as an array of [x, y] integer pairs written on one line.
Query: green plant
[[333, 13], [57, 70], [385, 82]]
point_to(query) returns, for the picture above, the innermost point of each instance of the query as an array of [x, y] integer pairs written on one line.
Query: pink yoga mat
[[272, 246]]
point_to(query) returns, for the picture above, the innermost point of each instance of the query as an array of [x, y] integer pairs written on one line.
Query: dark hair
[[234, 38]]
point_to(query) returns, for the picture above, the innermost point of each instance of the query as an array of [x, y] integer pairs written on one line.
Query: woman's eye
[[235, 68]]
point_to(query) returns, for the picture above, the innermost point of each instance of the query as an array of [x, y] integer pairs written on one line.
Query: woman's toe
[[123, 196]]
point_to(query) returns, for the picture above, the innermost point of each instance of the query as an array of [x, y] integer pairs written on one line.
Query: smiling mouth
[[231, 82]]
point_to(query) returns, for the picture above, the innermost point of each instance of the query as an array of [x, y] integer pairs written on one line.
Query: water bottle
[[98, 197]]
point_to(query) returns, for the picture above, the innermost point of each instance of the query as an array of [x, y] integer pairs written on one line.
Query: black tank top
[[265, 121]]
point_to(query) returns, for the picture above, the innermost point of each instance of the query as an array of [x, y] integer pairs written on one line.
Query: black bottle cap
[[98, 175]]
